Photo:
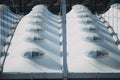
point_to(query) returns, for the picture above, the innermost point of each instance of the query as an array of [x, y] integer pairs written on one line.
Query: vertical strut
[[65, 71]]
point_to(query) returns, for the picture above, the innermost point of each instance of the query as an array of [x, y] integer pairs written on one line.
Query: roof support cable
[[113, 34], [6, 51], [117, 40]]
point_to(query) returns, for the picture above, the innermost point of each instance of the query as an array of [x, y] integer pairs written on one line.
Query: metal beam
[[65, 69]]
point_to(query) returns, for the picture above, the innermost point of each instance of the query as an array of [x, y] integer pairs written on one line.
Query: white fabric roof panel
[[85, 53], [37, 44], [25, 43], [8, 22], [113, 17]]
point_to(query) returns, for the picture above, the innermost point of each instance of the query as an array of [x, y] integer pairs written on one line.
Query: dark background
[[25, 6]]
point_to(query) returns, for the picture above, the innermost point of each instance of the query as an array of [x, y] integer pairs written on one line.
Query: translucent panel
[[33, 53], [98, 53]]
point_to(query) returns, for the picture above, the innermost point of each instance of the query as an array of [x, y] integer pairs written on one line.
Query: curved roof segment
[[113, 17], [8, 23], [30, 43], [36, 49], [90, 51]]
